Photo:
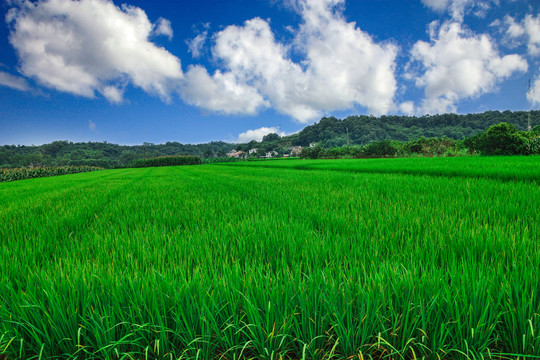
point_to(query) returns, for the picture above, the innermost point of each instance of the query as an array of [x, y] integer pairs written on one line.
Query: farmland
[[292, 259]]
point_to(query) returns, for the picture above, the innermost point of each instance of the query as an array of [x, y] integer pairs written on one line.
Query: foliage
[[504, 139], [361, 130], [423, 146], [315, 152], [167, 161], [260, 260], [34, 172], [379, 149], [270, 137], [223, 159], [102, 154], [329, 132], [498, 139]]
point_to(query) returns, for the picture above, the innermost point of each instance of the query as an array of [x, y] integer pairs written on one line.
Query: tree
[[502, 139], [379, 148], [270, 137], [127, 157], [208, 153]]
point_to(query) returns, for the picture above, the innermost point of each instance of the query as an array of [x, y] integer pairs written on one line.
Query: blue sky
[[196, 71]]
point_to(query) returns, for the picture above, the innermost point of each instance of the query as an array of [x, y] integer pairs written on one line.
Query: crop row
[[35, 172]]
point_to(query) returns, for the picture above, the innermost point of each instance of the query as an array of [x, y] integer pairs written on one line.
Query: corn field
[[35, 172]]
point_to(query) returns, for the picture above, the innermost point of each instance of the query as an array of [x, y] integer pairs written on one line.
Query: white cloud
[[14, 82], [91, 45], [91, 125], [407, 108], [113, 94], [459, 64], [458, 8], [163, 27], [528, 28], [436, 5], [257, 134], [342, 66], [533, 95], [196, 44], [220, 92]]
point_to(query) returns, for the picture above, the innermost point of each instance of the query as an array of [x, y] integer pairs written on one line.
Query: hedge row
[[167, 161]]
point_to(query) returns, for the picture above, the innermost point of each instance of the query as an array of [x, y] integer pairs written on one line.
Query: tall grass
[[234, 262]]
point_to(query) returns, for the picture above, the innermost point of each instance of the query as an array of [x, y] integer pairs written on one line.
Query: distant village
[[292, 151]]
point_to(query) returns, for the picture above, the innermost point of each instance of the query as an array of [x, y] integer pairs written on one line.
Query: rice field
[[331, 259]]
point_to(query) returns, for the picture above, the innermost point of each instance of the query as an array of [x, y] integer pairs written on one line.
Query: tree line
[[101, 154], [329, 132], [498, 139]]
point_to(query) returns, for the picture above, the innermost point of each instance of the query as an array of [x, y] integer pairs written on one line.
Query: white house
[[295, 150], [270, 154], [236, 154]]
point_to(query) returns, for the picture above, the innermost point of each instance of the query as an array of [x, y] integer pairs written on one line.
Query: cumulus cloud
[[342, 66], [196, 44], [258, 134], [88, 46], [163, 27], [458, 64], [220, 93], [407, 108], [534, 93], [113, 94], [13, 82], [458, 8], [528, 29]]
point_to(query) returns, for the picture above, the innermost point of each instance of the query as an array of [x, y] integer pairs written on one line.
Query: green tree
[[208, 153], [502, 139], [270, 137]]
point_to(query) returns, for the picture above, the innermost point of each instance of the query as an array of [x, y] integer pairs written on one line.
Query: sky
[[136, 71]]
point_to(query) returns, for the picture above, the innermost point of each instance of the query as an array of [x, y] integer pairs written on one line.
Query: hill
[[328, 132], [332, 132]]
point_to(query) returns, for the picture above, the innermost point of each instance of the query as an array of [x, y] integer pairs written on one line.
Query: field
[[293, 259]]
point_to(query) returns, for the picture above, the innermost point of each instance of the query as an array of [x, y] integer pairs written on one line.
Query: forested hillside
[[103, 154], [328, 132], [331, 132]]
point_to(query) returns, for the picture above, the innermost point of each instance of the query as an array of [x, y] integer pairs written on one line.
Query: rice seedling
[[504, 168], [266, 261]]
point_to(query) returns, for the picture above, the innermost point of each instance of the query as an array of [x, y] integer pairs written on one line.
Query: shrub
[[380, 149], [315, 152], [502, 139], [167, 161]]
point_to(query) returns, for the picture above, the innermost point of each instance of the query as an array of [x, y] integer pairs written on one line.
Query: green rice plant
[[507, 168], [274, 262]]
